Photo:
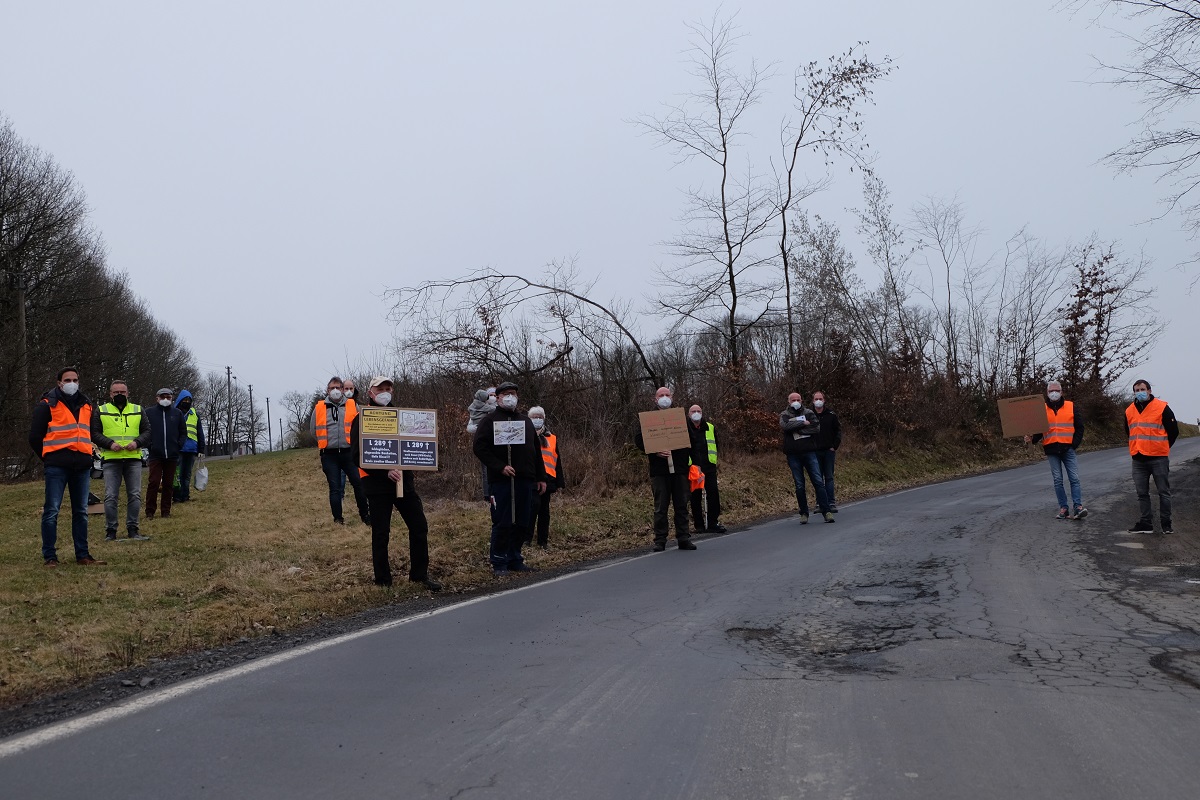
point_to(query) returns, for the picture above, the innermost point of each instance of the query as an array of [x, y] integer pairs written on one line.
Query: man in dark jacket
[[704, 455], [507, 444], [830, 439], [379, 486], [1152, 429], [60, 436], [801, 439], [167, 434], [1064, 434], [669, 484]]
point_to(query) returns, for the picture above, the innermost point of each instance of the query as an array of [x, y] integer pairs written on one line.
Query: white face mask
[[349, 393], [537, 422], [1054, 396], [797, 405], [70, 388], [165, 402], [509, 401], [697, 417], [335, 394], [818, 404], [664, 401], [383, 398]]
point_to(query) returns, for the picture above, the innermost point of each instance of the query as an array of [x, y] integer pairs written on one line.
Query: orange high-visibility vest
[[1062, 424], [550, 455], [695, 478], [323, 426], [1147, 436], [66, 432]]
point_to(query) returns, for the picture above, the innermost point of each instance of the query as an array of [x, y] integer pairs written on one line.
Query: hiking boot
[[833, 507], [51, 562], [1063, 514], [88, 561], [499, 572], [828, 515], [686, 544], [804, 519], [1142, 527], [658, 547], [428, 583], [522, 568], [1080, 512]]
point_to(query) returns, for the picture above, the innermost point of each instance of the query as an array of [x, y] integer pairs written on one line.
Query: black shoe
[[339, 521], [428, 583], [1142, 527], [366, 520], [384, 584], [110, 536], [1167, 529], [833, 508], [686, 544], [697, 530], [659, 547], [718, 528], [499, 572], [522, 568], [137, 537]]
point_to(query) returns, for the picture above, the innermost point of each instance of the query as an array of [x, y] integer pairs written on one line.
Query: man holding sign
[[507, 444], [665, 441], [380, 487]]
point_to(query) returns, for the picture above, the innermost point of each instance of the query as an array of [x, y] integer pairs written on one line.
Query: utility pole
[[253, 436], [270, 444], [229, 411], [281, 442]]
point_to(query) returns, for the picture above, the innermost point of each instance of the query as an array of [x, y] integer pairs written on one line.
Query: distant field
[[258, 552]]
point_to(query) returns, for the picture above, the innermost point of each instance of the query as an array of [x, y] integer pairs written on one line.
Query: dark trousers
[[508, 536], [162, 475], [58, 481], [825, 459], [183, 491], [412, 511], [800, 463], [541, 520], [1158, 468], [338, 465], [714, 500], [670, 491]]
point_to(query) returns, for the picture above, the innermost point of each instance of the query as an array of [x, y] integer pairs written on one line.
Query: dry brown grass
[[258, 552]]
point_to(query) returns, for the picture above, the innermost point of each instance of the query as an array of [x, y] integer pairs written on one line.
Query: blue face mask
[[1141, 397]]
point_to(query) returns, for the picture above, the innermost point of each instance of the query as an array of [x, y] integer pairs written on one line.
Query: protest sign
[[664, 430], [1023, 416]]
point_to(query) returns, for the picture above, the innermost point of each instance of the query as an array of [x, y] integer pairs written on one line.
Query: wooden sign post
[[665, 430], [1023, 416], [397, 438]]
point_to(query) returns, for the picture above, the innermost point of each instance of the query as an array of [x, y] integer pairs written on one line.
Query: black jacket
[[376, 481], [167, 431], [830, 437], [796, 436], [526, 458], [1059, 449], [67, 459], [659, 467]]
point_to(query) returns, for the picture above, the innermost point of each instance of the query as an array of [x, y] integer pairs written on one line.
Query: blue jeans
[[58, 480], [807, 462], [1159, 468], [338, 466], [1057, 462], [508, 535], [183, 478], [826, 458]]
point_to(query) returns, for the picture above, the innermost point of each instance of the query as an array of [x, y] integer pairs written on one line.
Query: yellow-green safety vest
[[710, 433], [192, 420], [122, 427]]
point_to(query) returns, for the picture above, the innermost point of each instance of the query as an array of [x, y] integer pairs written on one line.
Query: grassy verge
[[258, 553]]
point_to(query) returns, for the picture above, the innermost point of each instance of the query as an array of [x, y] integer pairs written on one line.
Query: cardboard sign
[[1023, 416], [397, 438], [664, 430], [508, 432]]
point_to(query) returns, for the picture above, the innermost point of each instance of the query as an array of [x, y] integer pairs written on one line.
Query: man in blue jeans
[[1064, 434], [801, 439], [61, 436]]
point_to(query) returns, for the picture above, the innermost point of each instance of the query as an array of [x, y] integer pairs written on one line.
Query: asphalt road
[[945, 642]]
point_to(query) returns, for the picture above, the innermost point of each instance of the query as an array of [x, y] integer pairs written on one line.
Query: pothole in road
[[1184, 666]]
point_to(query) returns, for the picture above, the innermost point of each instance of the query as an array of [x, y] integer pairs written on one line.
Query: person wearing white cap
[[552, 461], [167, 434]]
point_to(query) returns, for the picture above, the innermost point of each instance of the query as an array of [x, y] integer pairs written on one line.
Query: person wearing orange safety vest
[[330, 425], [704, 455], [1152, 430], [61, 436], [1064, 434], [552, 461]]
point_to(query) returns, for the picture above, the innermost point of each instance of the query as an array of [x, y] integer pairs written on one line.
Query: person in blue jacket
[[193, 446]]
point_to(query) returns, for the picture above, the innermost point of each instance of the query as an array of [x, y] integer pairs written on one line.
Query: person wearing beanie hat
[[514, 472], [552, 462]]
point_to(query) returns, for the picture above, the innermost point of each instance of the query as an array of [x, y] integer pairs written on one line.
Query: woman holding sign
[[382, 495]]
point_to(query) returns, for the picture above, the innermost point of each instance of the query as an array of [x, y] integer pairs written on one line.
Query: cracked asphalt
[[944, 642]]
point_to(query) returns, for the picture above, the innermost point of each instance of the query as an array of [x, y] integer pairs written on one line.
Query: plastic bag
[[200, 478]]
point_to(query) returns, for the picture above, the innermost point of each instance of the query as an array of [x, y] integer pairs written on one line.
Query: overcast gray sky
[[269, 152]]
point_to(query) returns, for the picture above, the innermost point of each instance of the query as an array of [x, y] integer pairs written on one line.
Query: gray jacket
[[800, 431]]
